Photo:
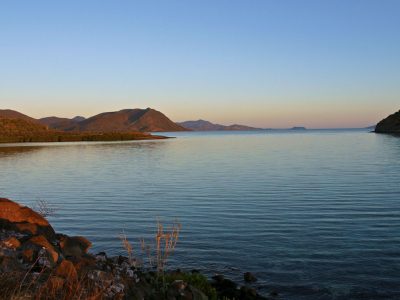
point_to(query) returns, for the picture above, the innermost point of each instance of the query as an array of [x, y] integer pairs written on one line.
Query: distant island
[[202, 125], [298, 128], [128, 124], [391, 124]]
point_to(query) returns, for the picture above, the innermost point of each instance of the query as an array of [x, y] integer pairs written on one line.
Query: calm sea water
[[314, 214]]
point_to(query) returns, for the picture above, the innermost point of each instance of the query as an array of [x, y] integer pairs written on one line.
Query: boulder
[[391, 124], [225, 287], [39, 243], [22, 219], [11, 242], [249, 277], [75, 246]]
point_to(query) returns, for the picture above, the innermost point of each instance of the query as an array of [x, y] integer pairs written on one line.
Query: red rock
[[27, 228], [67, 271], [23, 219], [12, 243], [28, 255], [75, 246], [38, 242]]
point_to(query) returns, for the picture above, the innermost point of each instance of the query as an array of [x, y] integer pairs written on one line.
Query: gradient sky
[[262, 63]]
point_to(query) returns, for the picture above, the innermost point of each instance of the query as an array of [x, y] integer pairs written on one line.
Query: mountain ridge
[[203, 125], [125, 120]]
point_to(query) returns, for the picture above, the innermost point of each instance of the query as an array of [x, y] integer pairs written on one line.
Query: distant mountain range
[[202, 125]]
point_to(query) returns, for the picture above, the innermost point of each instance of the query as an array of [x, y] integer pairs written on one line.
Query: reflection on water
[[10, 151], [315, 215]]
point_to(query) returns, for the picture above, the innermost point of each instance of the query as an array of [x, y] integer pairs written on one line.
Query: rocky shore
[[38, 263]]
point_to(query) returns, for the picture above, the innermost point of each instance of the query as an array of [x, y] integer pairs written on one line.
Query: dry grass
[[164, 246], [133, 261], [47, 286], [157, 253]]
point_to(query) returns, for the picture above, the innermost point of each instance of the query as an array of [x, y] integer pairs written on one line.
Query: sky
[[272, 64]]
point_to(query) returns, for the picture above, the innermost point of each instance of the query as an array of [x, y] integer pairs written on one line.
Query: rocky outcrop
[[391, 124], [22, 219]]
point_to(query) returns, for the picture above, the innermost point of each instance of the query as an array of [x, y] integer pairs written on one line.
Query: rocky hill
[[12, 114], [16, 127], [202, 125], [391, 124], [147, 120], [126, 120], [20, 128], [64, 124]]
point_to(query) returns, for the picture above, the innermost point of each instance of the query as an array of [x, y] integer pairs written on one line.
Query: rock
[[28, 255], [75, 246], [11, 243], [23, 219], [391, 124], [197, 294], [85, 263], [67, 271], [218, 278], [101, 257], [249, 277], [101, 278], [248, 293], [225, 287], [36, 244], [176, 290]]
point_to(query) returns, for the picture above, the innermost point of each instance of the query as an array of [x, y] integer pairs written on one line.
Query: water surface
[[314, 214]]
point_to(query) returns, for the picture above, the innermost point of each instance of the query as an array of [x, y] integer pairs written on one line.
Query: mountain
[[148, 120], [21, 130], [12, 114], [10, 127], [78, 119], [391, 124], [202, 125], [16, 127], [64, 124]]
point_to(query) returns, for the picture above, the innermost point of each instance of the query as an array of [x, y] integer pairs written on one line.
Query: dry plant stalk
[[44, 208], [128, 248], [165, 243]]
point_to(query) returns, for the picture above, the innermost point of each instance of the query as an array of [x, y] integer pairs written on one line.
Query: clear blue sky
[[263, 63]]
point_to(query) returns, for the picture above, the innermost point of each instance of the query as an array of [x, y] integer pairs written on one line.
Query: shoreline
[[38, 263], [61, 137]]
